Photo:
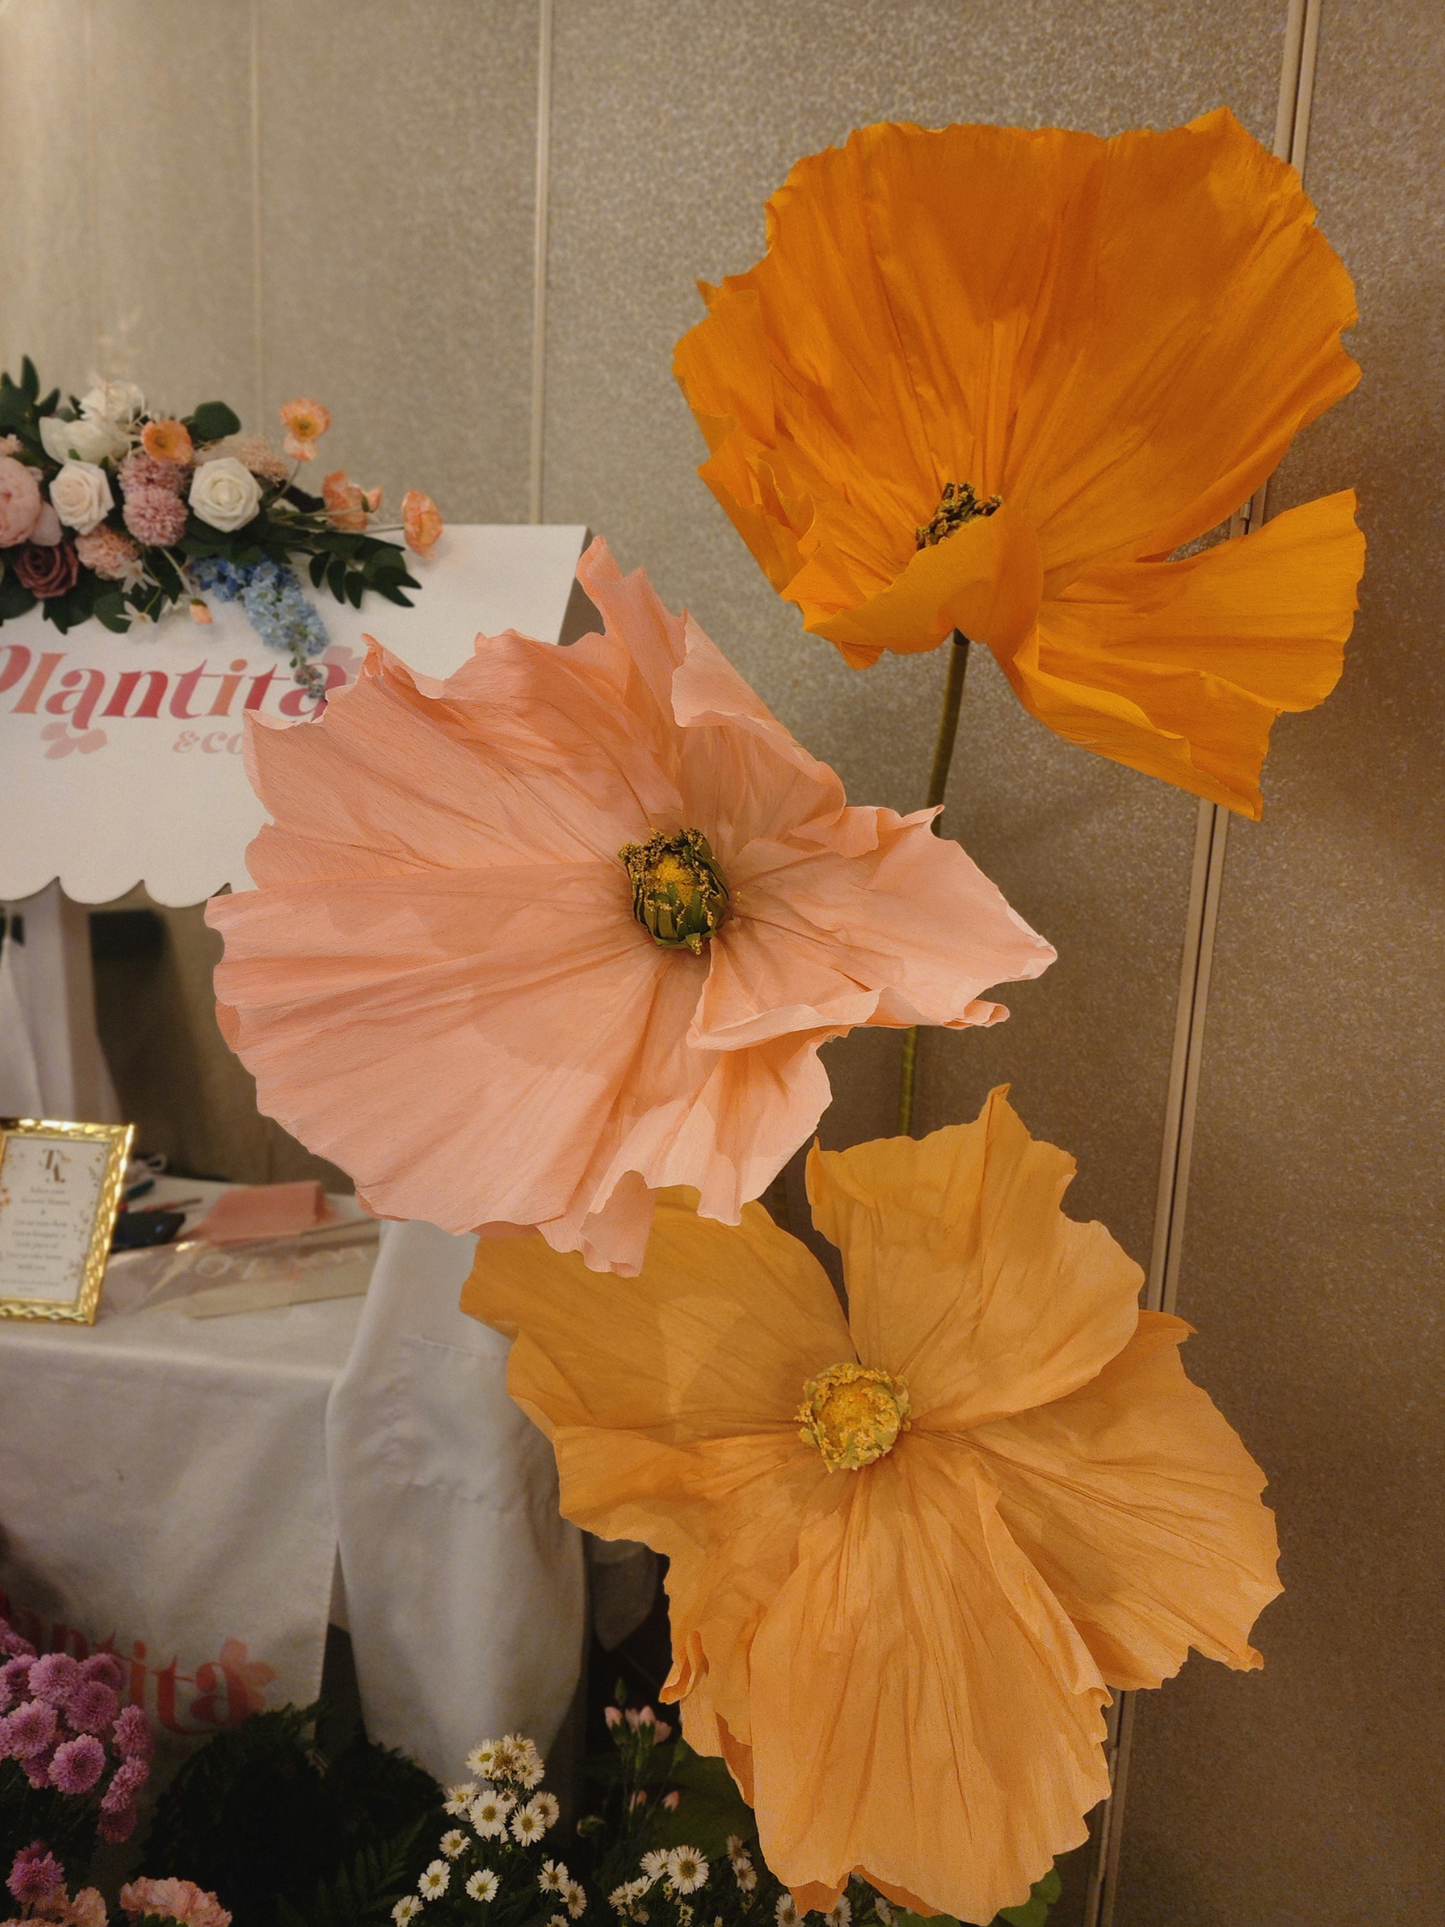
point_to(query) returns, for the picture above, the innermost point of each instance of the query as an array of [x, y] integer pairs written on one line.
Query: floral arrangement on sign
[[915, 1548], [110, 511]]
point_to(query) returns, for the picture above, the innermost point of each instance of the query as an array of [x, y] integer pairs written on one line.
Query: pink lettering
[[17, 665], [301, 702], [184, 690], [78, 701], [126, 686], [259, 686], [35, 688], [226, 693]]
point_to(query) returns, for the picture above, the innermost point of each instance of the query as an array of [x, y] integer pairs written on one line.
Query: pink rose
[[20, 502]]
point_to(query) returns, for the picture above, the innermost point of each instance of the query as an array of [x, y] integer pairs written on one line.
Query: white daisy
[[735, 1844], [483, 1885], [452, 1843], [503, 1759], [406, 1910], [435, 1881], [554, 1877], [787, 1913], [527, 1825], [840, 1913], [459, 1798], [546, 1805], [558, 1920], [654, 1864], [686, 1869], [746, 1879], [489, 1815], [883, 1910], [482, 1759], [576, 1899]]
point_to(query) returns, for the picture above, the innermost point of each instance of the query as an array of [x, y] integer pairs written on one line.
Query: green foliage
[[260, 1818], [65, 1824], [213, 421], [1033, 1913]]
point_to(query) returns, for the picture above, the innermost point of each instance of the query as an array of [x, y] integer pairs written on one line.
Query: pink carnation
[[115, 557], [133, 1737], [155, 517], [54, 1678], [180, 1900], [87, 1909], [140, 471], [78, 1764], [27, 1731], [92, 1706]]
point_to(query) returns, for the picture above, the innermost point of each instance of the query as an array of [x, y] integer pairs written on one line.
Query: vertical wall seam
[[92, 193], [1291, 138], [541, 193], [258, 303]]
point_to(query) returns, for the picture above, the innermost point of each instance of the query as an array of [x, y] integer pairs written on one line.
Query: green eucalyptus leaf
[[318, 569]]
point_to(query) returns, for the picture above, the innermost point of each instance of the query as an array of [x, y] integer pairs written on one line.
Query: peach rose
[[20, 501], [420, 521]]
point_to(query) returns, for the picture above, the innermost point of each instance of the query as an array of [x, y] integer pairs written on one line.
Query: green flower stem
[[937, 786]]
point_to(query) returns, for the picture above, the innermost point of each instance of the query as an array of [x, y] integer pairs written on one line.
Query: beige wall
[[374, 246]]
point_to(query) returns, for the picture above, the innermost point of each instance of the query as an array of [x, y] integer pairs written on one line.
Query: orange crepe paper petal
[[1139, 1505], [964, 1277], [1118, 337], [903, 1666], [439, 982], [923, 1711]]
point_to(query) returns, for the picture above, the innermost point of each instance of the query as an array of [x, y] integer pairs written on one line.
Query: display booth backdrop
[[343, 200]]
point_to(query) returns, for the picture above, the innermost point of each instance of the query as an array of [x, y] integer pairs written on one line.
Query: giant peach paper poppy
[[898, 1620], [531, 942], [1118, 340]]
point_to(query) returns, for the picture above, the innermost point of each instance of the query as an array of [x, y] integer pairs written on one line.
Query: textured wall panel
[[397, 159], [1310, 1793]]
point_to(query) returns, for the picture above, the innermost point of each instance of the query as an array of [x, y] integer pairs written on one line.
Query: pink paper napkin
[[265, 1211]]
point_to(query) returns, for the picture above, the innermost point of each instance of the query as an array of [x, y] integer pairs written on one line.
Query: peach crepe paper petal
[[904, 1667], [439, 983], [1118, 337]]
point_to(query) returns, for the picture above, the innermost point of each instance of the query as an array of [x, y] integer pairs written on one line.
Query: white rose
[[116, 402], [81, 496], [82, 441], [225, 494]]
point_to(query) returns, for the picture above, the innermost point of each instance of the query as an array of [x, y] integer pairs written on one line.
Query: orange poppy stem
[[937, 788]]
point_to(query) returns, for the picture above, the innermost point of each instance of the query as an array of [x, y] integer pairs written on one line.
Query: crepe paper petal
[[439, 982], [904, 1665], [965, 1277], [1118, 338], [1139, 1464]]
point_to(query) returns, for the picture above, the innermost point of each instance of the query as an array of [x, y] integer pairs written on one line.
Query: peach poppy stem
[[937, 788]]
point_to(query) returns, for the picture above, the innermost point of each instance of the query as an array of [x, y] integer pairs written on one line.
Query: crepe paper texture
[[265, 1211], [904, 1665], [440, 982], [990, 379]]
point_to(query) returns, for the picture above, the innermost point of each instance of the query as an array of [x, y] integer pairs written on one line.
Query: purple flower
[[108, 1668], [117, 1826], [27, 1731], [14, 1683], [133, 1737], [37, 1768], [35, 1875], [92, 1706], [11, 1642], [55, 1678], [78, 1764], [129, 1779]]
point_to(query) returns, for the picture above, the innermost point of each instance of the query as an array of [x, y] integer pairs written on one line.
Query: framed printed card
[[60, 1189]]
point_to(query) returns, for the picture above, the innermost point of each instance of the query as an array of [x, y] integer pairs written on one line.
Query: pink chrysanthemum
[[14, 1682], [92, 1706], [27, 1731], [35, 1876], [12, 1644], [130, 1776], [109, 1668], [141, 471], [37, 1768], [444, 982], [54, 1678], [133, 1737], [111, 555], [78, 1764], [155, 517]]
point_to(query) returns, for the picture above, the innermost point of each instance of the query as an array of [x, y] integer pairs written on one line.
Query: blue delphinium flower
[[273, 600]]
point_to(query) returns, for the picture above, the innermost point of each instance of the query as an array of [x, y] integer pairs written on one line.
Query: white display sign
[[121, 755]]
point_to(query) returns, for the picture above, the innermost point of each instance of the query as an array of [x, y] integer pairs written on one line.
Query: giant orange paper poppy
[[912, 1548], [1118, 340]]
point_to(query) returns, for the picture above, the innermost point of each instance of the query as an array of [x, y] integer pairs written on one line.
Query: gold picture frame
[[60, 1190]]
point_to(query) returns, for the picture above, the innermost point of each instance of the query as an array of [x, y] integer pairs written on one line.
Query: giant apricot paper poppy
[[911, 1548], [531, 942], [991, 379]]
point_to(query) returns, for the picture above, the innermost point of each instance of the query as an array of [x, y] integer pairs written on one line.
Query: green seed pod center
[[678, 893]]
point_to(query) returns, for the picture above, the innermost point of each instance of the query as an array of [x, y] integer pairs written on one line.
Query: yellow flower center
[[678, 893], [853, 1415], [959, 506]]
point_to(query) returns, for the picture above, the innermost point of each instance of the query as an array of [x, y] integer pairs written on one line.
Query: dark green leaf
[[111, 610], [336, 580], [166, 573], [355, 590], [213, 421], [1035, 1910], [318, 569], [15, 598], [29, 379]]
